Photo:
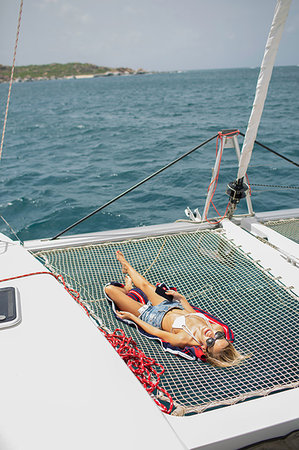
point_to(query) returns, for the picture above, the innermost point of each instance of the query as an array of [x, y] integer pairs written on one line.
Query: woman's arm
[[174, 339], [184, 302]]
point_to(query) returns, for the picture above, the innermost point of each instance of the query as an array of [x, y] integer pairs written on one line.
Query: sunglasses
[[211, 341]]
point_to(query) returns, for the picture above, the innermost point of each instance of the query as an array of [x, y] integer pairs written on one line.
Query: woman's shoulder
[[182, 340]]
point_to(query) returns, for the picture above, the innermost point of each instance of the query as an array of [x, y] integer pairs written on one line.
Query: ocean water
[[72, 145]]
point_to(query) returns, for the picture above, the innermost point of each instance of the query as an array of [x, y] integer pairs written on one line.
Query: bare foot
[[120, 257]]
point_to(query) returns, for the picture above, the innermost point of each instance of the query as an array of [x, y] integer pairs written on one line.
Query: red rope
[[249, 187], [215, 180], [146, 369], [60, 278]]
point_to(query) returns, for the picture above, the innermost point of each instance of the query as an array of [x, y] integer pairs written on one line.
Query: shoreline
[[63, 71], [71, 77]]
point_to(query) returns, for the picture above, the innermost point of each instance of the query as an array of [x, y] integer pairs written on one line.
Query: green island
[[56, 71]]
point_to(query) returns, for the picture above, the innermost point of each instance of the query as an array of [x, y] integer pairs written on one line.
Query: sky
[[155, 35]]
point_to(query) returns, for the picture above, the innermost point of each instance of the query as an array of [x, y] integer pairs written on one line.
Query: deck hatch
[[9, 307]]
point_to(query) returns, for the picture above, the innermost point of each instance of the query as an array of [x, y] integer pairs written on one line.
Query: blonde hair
[[227, 358]]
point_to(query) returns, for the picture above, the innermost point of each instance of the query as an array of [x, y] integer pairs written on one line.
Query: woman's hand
[[126, 315], [176, 295], [183, 301]]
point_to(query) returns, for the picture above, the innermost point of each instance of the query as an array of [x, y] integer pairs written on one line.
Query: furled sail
[[279, 19]]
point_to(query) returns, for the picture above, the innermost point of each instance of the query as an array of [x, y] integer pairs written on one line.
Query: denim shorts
[[153, 315]]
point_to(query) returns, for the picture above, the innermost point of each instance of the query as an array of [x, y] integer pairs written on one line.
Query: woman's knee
[[110, 290], [145, 285]]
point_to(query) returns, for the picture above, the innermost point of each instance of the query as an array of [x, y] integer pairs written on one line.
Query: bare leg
[[139, 280], [128, 284], [122, 300]]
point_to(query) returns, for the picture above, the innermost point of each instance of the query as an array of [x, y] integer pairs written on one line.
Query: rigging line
[[134, 187], [11, 77], [12, 230], [276, 186], [273, 151]]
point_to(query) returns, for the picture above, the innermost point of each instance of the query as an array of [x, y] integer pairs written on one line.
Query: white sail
[[279, 19]]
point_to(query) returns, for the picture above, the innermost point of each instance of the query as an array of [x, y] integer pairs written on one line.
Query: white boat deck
[[63, 385], [112, 235]]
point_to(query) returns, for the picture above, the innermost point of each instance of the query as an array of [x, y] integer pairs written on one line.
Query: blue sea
[[72, 145]]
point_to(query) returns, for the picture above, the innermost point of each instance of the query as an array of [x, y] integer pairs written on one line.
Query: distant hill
[[69, 70]]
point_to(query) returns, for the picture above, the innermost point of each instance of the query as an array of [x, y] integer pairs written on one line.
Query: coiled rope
[[11, 77], [146, 369]]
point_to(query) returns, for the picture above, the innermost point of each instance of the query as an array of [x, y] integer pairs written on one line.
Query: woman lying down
[[171, 319]]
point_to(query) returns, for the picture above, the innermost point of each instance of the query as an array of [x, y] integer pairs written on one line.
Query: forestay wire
[[273, 151], [157, 173], [135, 186]]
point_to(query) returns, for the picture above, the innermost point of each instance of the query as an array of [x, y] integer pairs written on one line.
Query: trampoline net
[[216, 276], [288, 228]]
